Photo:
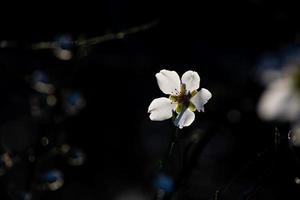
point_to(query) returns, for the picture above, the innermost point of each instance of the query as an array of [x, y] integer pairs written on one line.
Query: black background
[[222, 41]]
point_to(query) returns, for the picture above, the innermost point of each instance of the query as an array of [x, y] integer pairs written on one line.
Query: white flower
[[184, 98], [281, 100]]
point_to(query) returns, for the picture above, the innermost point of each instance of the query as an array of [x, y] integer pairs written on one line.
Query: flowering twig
[[184, 99]]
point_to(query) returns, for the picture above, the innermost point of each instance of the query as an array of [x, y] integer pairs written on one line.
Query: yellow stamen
[[182, 89], [173, 98]]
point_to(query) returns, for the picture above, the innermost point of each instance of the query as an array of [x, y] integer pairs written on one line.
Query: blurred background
[[76, 83]]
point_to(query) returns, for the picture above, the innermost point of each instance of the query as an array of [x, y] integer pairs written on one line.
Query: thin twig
[[116, 36], [98, 39], [171, 149], [160, 194]]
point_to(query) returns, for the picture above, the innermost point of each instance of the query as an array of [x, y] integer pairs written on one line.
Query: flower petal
[[168, 81], [161, 109], [191, 79], [184, 118], [201, 98]]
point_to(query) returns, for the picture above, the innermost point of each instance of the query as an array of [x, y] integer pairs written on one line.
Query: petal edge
[[201, 98], [161, 109], [168, 81], [191, 79], [184, 118]]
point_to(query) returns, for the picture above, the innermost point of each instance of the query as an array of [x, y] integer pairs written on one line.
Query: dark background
[[222, 41]]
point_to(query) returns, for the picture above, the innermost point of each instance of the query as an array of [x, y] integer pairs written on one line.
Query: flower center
[[182, 98]]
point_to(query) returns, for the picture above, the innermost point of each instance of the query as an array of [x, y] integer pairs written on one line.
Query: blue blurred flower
[[63, 47], [51, 176], [73, 102], [164, 182], [51, 180]]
